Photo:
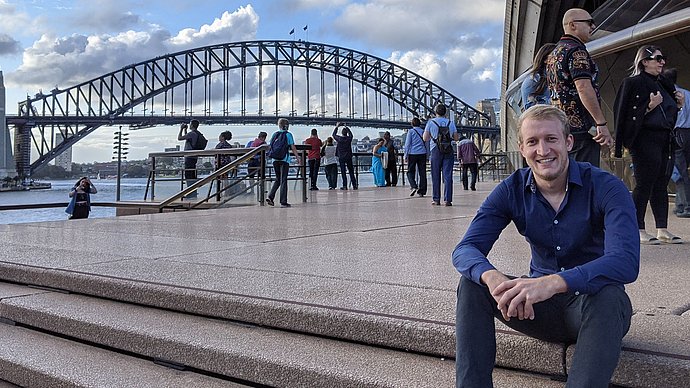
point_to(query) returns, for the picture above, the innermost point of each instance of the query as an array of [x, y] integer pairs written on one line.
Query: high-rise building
[[7, 165], [491, 107], [63, 160]]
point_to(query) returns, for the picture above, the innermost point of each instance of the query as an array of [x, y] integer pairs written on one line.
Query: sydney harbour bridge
[[252, 82]]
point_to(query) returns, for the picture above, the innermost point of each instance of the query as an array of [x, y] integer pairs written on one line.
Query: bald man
[[572, 76]]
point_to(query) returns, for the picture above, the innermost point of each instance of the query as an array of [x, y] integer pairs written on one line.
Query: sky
[[47, 43]]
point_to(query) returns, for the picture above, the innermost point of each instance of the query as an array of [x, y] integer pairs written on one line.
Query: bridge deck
[[374, 258]]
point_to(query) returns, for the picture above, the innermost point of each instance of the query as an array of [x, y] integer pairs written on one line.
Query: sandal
[[671, 239], [650, 241]]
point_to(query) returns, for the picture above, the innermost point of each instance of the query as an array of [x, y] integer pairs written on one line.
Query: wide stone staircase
[[300, 297]]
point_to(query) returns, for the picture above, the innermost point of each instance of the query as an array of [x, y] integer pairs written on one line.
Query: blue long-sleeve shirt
[[591, 241], [683, 120], [414, 143]]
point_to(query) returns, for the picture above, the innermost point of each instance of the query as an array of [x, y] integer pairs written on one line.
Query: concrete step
[[250, 353], [665, 357], [32, 359]]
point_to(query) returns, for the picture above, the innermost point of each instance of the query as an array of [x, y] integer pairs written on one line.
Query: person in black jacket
[[343, 151], [645, 112]]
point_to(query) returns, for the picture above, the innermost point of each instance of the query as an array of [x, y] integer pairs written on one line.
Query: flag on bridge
[[305, 27], [292, 31]]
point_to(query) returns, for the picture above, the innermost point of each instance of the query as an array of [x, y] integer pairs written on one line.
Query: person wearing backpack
[[281, 142], [193, 140], [441, 131]]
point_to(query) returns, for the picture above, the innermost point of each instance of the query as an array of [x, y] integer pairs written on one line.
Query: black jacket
[[631, 105]]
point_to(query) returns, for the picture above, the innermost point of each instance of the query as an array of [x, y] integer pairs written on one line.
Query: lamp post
[[120, 153]]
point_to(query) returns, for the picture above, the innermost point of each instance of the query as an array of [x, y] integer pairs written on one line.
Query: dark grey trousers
[[596, 322]]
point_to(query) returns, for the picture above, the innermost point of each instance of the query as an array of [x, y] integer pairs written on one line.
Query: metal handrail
[[210, 178]]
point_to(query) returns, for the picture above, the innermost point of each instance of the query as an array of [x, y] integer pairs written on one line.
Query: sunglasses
[[657, 58], [588, 21]]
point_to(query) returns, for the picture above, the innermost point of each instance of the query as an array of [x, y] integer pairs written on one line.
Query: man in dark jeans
[[416, 150], [392, 168], [343, 150], [190, 138], [282, 166], [581, 224]]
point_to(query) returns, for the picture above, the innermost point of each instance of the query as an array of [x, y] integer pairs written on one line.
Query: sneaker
[[343, 188], [420, 195], [685, 214], [473, 188], [435, 203], [285, 205], [355, 187], [331, 188], [449, 204], [316, 188], [413, 192], [269, 201]]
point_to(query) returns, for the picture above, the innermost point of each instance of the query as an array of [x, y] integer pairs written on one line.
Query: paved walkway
[[376, 252]]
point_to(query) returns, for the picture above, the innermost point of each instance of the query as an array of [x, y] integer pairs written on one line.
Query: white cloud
[[69, 60]]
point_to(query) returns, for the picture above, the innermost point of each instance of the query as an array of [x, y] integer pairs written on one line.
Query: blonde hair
[[544, 113]]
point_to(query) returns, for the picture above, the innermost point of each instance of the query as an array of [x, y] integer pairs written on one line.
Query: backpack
[[443, 140], [279, 146], [201, 141]]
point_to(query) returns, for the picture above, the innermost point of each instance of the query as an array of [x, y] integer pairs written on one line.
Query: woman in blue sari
[[377, 165]]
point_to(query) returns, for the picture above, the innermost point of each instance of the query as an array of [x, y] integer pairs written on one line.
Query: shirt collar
[[574, 177], [568, 36]]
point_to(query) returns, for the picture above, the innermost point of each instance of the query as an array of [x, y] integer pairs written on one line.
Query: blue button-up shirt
[[683, 120], [591, 241], [414, 142]]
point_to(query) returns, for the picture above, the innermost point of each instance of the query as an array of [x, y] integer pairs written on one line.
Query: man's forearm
[[589, 99]]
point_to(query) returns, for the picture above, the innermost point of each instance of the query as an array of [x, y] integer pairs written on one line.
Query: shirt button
[[634, 118], [555, 222], [558, 248], [577, 292], [634, 107], [562, 268]]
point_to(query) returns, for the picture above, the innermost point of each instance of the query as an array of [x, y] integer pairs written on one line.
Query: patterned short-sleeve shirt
[[569, 62]]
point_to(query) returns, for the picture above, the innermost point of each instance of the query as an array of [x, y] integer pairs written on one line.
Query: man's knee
[[471, 293], [611, 305]]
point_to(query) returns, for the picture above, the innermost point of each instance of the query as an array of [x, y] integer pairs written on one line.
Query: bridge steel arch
[[198, 83]]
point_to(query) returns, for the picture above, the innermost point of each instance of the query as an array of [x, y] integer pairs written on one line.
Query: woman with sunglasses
[[645, 112]]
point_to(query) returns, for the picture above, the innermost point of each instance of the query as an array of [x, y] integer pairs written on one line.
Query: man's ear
[[569, 142]]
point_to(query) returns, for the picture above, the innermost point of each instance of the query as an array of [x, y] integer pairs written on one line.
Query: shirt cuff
[[575, 280], [478, 270]]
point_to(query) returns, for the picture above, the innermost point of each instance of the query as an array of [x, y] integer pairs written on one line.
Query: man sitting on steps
[[581, 226]]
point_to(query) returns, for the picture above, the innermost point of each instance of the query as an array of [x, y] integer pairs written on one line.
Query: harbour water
[[131, 189]]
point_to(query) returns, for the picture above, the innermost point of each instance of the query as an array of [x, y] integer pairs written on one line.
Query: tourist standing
[[416, 150], [80, 199], [344, 153], [314, 158], [379, 152], [468, 155], [572, 76], [580, 223], [255, 163], [391, 166], [645, 111], [535, 89], [682, 152], [281, 141], [193, 140], [330, 163], [224, 160], [442, 131]]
